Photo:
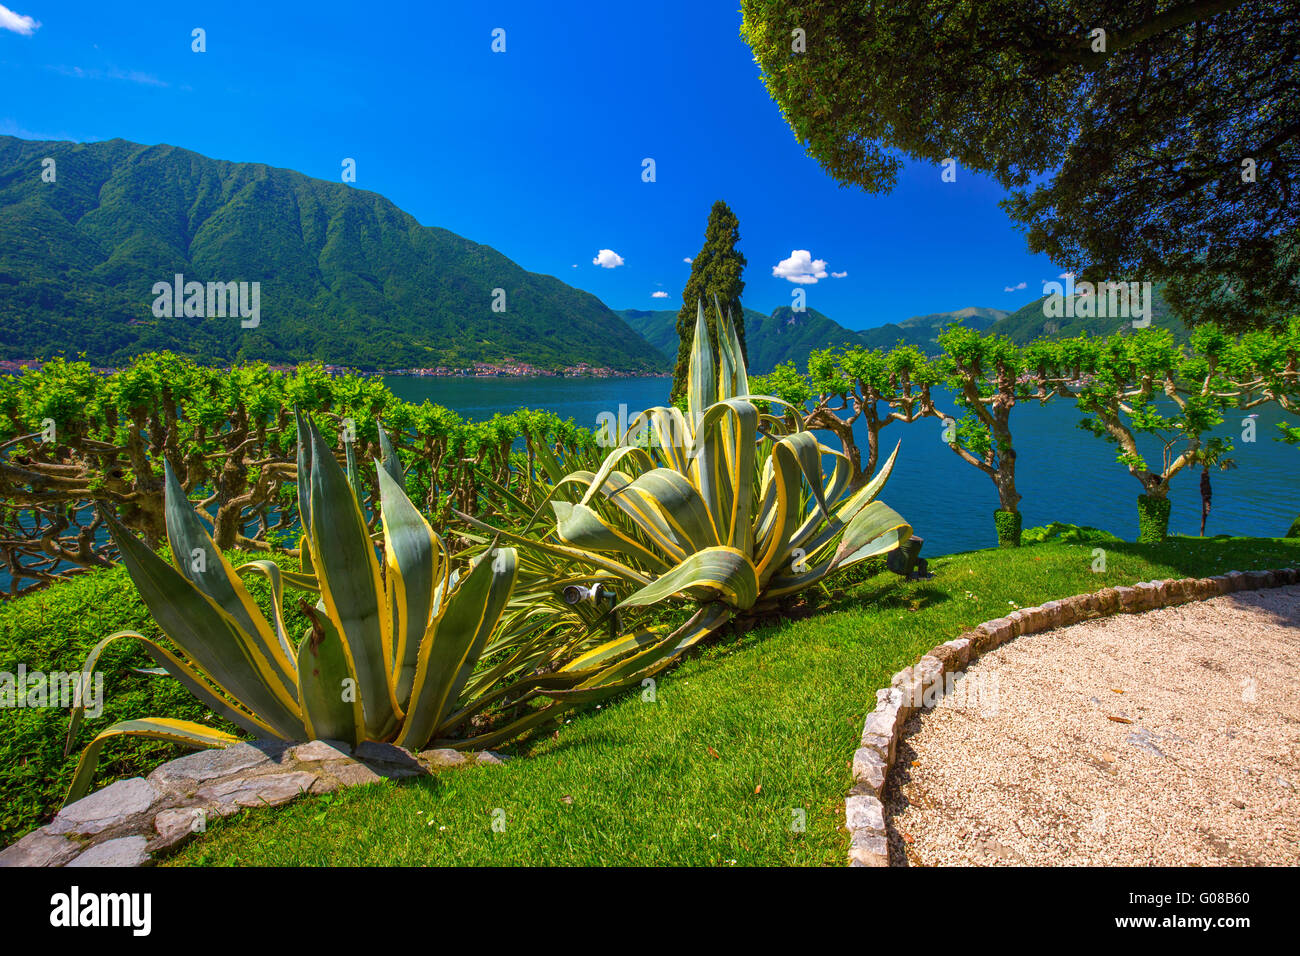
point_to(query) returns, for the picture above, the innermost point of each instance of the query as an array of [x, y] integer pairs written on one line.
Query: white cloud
[[130, 76], [16, 22], [607, 259], [838, 275], [658, 295], [801, 268], [575, 265], [687, 260], [135, 76], [1016, 288]]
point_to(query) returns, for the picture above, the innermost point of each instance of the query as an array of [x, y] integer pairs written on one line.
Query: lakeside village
[[473, 370]]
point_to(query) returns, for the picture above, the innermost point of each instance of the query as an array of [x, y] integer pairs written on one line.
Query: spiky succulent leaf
[[327, 681], [722, 571], [353, 595], [197, 557], [413, 555], [234, 661], [702, 386], [154, 728], [391, 463], [468, 614]]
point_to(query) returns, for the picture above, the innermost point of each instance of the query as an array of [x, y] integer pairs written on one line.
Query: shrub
[[1153, 519], [1008, 525], [1059, 531]]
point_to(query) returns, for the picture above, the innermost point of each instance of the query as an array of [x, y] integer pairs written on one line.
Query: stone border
[[129, 821], [914, 688]]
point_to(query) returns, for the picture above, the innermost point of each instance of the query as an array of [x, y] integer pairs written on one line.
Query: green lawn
[[750, 730]]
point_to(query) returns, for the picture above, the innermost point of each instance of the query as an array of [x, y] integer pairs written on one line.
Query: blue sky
[[536, 151]]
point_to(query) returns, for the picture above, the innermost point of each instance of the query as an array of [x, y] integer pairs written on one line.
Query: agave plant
[[388, 656], [725, 505]]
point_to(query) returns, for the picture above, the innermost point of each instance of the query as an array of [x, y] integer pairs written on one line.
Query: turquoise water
[[1064, 473]]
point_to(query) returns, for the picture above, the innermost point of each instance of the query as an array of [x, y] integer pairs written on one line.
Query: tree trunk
[[1007, 518], [1206, 492]]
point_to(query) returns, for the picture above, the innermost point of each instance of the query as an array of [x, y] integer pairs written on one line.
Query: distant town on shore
[[473, 370]]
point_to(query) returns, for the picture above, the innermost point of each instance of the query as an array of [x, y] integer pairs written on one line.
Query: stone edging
[[129, 821], [912, 688]]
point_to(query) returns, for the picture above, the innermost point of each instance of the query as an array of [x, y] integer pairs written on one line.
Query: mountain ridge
[[347, 277], [768, 348], [785, 335]]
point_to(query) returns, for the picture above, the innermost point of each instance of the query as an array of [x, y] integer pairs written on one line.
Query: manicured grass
[[738, 738]]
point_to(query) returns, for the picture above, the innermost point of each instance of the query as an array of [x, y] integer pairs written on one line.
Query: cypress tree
[[716, 270]]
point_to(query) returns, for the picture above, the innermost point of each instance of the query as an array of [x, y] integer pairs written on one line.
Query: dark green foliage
[[346, 277], [783, 336], [1126, 153], [54, 630], [658, 327], [1294, 530], [786, 335], [1008, 525], [1153, 519], [716, 272]]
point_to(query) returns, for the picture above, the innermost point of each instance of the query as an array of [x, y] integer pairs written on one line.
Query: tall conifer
[[716, 270]]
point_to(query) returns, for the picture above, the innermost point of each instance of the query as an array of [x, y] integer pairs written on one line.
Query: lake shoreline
[[475, 370]]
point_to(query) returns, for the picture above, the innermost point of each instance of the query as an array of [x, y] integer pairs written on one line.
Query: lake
[[1064, 473]]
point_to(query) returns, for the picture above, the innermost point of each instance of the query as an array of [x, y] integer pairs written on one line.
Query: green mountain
[[1030, 322], [783, 336], [658, 327], [923, 331], [345, 276]]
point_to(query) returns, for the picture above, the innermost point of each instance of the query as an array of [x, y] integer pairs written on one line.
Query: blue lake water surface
[[1064, 473]]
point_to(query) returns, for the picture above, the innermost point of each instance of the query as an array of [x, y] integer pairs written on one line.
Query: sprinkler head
[[577, 593]]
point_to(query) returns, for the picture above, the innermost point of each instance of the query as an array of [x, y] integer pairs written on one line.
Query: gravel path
[[1170, 737]]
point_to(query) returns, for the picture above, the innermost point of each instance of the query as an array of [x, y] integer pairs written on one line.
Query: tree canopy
[[1140, 139]]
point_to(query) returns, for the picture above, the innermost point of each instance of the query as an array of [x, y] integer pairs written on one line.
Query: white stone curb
[[914, 687]]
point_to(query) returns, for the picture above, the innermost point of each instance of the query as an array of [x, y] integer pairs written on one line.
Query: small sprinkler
[[597, 594]]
